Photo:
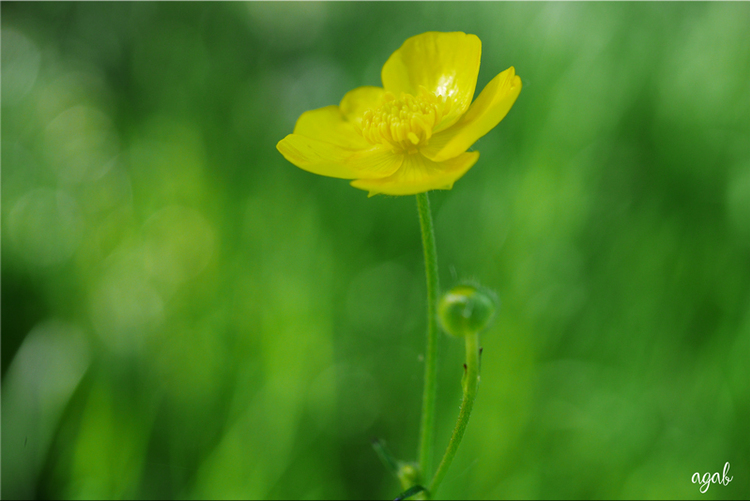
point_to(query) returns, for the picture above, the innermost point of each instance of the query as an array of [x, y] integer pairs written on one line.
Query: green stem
[[427, 431], [470, 384]]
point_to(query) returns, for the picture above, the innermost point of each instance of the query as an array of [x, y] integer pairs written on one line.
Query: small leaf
[[416, 489], [391, 464]]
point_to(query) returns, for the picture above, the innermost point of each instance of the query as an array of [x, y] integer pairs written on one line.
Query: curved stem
[[427, 431], [470, 384]]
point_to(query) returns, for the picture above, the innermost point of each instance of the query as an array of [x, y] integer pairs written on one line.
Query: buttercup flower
[[412, 134]]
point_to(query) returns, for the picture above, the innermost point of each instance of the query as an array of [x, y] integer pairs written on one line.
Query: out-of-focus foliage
[[185, 314]]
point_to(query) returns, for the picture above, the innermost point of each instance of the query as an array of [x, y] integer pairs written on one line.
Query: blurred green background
[[187, 315]]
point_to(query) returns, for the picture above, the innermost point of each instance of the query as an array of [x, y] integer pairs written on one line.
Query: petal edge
[[328, 159], [489, 108], [419, 174]]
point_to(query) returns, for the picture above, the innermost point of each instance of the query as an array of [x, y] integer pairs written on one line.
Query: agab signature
[[708, 479]]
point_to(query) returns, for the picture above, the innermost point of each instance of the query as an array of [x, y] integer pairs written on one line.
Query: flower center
[[405, 122]]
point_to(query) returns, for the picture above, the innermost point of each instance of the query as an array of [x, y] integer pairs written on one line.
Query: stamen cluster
[[405, 122]]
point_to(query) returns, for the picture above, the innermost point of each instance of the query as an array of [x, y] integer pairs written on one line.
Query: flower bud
[[408, 474], [466, 309]]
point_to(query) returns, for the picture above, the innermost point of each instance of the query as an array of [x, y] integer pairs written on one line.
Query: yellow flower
[[411, 135]]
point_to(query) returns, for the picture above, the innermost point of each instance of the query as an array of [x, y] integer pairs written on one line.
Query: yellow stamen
[[405, 122]]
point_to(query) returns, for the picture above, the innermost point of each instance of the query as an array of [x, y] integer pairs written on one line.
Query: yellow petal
[[329, 125], [447, 64], [419, 174], [328, 159], [378, 162], [484, 114], [325, 143], [359, 100]]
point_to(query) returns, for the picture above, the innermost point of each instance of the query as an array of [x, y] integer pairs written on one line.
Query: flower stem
[[427, 431], [470, 384]]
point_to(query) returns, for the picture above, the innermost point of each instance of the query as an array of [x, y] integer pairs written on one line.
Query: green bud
[[408, 474], [466, 309]]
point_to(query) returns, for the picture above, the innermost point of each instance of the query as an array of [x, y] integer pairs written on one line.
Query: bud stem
[[427, 431], [470, 384]]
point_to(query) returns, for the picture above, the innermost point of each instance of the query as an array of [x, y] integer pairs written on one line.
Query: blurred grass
[[188, 315]]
